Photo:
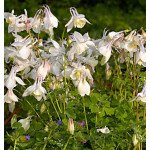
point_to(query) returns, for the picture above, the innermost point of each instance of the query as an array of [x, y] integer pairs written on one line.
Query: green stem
[[35, 111], [54, 106], [85, 115], [58, 104], [47, 140], [15, 144], [50, 117], [62, 36], [64, 102], [67, 143], [137, 114], [144, 112]]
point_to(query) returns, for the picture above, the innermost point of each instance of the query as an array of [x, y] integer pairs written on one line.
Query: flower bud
[[134, 139], [108, 71], [13, 120], [43, 107], [69, 41], [71, 126]]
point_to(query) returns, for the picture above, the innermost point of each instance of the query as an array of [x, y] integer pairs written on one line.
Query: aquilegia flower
[[25, 122], [77, 20], [104, 130]]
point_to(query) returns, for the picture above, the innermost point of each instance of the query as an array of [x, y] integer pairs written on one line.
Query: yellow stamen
[[80, 23], [133, 45], [78, 74], [9, 21]]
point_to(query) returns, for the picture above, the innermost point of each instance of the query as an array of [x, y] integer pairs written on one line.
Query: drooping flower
[[43, 69], [141, 96], [10, 98], [106, 52], [83, 87], [10, 80], [104, 130], [77, 20], [36, 89], [78, 76], [36, 23], [11, 19], [50, 21], [141, 55], [71, 126], [25, 122]]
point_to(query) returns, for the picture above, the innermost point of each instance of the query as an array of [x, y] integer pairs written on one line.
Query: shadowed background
[[114, 15]]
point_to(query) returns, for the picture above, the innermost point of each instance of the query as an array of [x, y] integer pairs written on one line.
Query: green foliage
[[109, 101]]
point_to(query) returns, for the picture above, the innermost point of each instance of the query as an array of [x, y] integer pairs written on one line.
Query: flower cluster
[[72, 59]]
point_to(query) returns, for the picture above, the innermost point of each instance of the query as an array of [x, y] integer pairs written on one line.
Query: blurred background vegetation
[[114, 15]]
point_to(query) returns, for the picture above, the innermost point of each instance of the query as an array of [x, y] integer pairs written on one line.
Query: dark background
[[114, 15]]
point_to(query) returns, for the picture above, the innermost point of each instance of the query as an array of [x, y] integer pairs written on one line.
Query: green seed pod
[[43, 107]]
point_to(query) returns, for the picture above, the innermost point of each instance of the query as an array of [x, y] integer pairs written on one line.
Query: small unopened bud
[[84, 141], [82, 123], [130, 73], [40, 42], [134, 139], [69, 41], [51, 86], [108, 71], [43, 108], [143, 33], [13, 120], [71, 126]]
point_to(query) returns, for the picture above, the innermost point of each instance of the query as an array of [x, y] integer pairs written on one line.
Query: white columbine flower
[[129, 46], [11, 19], [141, 96], [83, 87], [25, 122], [43, 69], [10, 98], [77, 20], [36, 89], [78, 76], [50, 21], [106, 52], [141, 55], [104, 130], [36, 22], [10, 80], [81, 44]]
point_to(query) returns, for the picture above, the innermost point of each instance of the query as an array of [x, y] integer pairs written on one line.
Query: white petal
[[70, 26], [83, 88], [19, 81], [70, 21], [56, 45], [11, 106], [24, 52], [29, 90]]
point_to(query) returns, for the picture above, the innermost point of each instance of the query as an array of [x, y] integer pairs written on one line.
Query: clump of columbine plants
[[76, 92]]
